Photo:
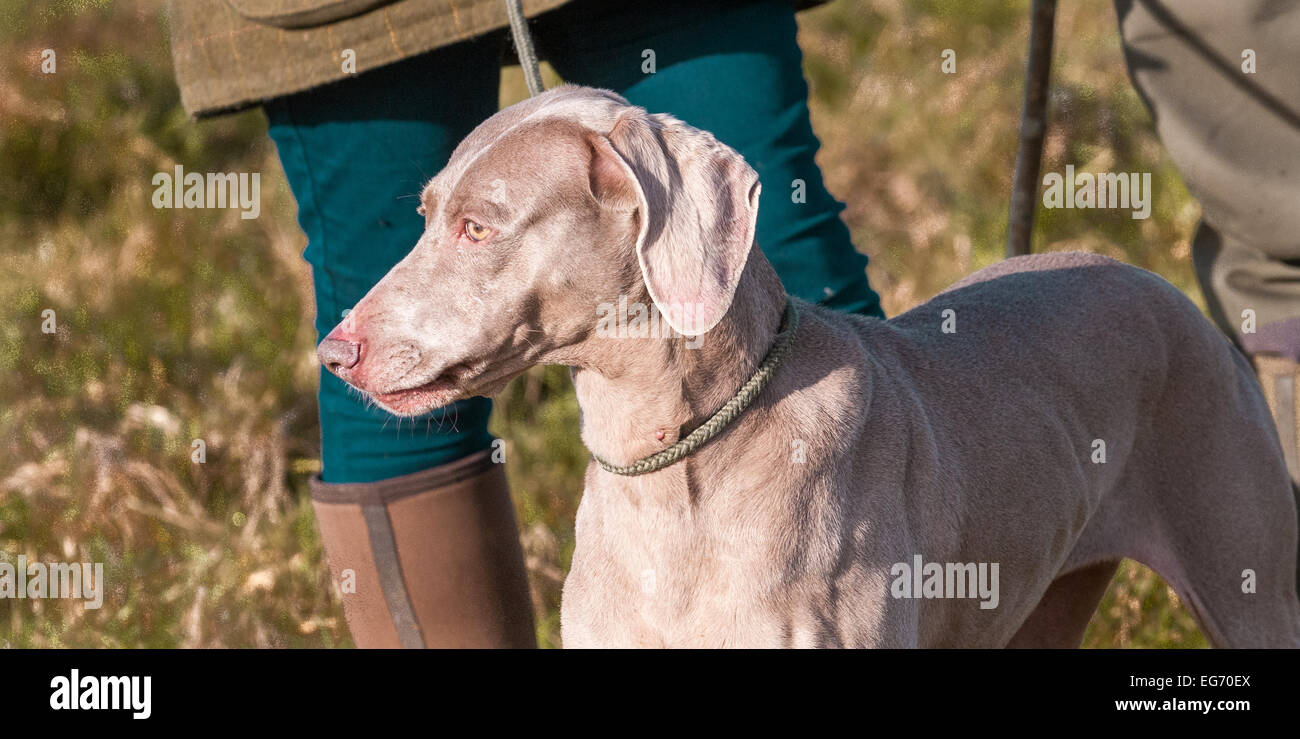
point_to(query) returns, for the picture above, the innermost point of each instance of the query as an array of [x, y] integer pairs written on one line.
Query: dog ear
[[612, 181], [699, 205]]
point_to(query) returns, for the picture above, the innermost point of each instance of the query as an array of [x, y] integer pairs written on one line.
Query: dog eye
[[476, 232]]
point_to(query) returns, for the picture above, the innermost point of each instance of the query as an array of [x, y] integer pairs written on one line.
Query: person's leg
[[416, 520], [1221, 83], [1235, 137], [733, 69]]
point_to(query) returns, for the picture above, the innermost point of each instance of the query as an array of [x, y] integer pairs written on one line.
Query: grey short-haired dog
[[966, 474]]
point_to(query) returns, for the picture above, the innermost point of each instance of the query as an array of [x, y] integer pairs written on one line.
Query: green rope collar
[[727, 413]]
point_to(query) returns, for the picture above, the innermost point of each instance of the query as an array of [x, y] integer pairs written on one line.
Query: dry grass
[[176, 325]]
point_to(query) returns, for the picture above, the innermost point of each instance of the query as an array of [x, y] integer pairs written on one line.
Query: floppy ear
[[699, 204], [612, 181]]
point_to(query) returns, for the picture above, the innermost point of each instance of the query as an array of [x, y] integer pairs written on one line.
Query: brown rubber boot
[[1278, 376], [430, 559]]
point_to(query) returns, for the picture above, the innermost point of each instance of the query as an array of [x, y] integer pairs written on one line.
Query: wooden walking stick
[[1033, 129]]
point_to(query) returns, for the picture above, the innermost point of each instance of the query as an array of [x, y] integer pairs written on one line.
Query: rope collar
[[727, 413]]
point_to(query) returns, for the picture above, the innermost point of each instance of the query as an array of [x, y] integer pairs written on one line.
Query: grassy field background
[[176, 325]]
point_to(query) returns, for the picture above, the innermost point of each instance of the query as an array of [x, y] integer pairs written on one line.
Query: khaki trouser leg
[[1235, 137]]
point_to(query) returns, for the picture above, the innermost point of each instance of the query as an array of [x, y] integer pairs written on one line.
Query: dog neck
[[640, 395]]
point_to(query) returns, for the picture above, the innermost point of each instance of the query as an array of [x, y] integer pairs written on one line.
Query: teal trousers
[[357, 153]]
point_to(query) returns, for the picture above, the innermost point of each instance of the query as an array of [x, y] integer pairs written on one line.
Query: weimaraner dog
[[771, 473]]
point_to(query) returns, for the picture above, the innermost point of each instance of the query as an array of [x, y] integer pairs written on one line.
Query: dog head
[[551, 207]]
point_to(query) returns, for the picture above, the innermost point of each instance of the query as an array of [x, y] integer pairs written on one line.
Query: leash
[[727, 413], [524, 47]]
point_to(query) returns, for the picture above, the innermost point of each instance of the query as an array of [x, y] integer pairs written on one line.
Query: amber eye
[[476, 232]]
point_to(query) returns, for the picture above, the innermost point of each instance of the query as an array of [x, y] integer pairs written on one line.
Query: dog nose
[[338, 354]]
